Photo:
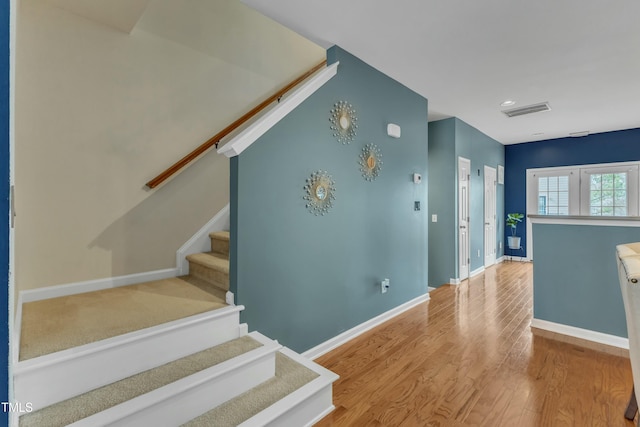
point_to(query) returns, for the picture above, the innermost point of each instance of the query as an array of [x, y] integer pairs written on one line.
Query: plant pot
[[513, 242]]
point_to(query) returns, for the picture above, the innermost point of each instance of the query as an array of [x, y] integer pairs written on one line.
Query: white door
[[464, 171], [489, 216]]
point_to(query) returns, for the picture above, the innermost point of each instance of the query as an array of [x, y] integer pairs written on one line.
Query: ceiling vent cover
[[529, 109]]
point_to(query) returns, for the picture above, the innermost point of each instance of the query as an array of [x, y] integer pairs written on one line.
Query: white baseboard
[[584, 334], [94, 285], [499, 260], [516, 258], [454, 281], [200, 242], [346, 336], [476, 272], [429, 289]]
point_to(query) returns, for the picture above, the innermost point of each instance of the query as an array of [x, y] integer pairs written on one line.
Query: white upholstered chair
[[628, 258]]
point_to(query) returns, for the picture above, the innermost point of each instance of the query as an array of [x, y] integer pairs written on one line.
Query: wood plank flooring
[[468, 358]]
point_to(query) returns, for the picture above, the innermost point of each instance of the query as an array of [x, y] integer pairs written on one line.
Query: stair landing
[[61, 323]]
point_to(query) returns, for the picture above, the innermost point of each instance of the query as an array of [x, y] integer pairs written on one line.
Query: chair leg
[[632, 407]]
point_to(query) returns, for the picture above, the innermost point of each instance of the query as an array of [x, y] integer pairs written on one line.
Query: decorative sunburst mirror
[[319, 192], [370, 162], [344, 122]]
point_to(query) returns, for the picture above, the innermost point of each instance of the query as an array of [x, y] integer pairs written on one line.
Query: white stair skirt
[[305, 406]]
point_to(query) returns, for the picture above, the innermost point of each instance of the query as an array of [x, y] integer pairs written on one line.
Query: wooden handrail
[[215, 139]]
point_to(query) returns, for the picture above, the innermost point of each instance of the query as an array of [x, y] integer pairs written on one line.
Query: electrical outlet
[[478, 253], [384, 286], [416, 205]]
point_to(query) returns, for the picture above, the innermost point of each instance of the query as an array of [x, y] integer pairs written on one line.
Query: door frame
[[464, 271], [489, 259]]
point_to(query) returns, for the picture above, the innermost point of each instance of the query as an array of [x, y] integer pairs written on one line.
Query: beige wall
[[100, 112]]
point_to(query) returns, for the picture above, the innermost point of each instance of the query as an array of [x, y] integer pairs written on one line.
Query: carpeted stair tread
[[289, 377], [220, 235], [210, 260], [61, 323], [79, 407]]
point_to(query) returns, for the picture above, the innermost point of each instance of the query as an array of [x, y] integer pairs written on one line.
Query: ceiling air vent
[[529, 109]]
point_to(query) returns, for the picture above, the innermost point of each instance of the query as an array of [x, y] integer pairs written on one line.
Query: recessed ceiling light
[[507, 103]]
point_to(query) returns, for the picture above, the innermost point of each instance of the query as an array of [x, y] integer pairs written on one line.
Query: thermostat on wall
[[393, 130]]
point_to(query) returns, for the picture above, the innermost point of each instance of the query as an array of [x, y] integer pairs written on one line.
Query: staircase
[[185, 360]]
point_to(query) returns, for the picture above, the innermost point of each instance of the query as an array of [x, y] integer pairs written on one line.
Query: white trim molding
[[454, 281], [346, 336], [94, 285], [583, 334], [610, 221], [201, 242], [241, 141]]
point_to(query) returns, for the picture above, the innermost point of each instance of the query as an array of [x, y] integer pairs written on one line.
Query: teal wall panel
[[303, 278], [443, 245], [449, 139], [576, 277]]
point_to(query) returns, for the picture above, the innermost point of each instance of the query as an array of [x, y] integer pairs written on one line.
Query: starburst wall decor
[[319, 192], [370, 162], [344, 122]]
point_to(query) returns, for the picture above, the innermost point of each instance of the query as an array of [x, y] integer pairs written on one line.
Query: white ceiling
[[466, 57]]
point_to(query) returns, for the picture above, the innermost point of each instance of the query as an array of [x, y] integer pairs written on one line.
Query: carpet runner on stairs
[[165, 352]]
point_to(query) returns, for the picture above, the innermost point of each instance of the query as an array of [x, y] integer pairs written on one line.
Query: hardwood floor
[[468, 358]]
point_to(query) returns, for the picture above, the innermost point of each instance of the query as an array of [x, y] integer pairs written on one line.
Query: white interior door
[[489, 216], [464, 171]]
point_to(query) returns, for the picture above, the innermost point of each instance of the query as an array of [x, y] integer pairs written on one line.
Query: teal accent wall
[[449, 139], [304, 279], [575, 276]]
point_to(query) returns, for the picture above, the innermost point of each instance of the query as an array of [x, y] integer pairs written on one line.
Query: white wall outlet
[[384, 286], [417, 178], [434, 218]]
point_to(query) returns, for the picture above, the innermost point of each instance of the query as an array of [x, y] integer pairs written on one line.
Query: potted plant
[[512, 221]]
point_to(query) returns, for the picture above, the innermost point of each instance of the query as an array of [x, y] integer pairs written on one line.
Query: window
[[610, 191], [608, 194], [553, 195]]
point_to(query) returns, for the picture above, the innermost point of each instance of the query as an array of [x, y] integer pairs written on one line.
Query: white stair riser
[[192, 396], [52, 378]]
